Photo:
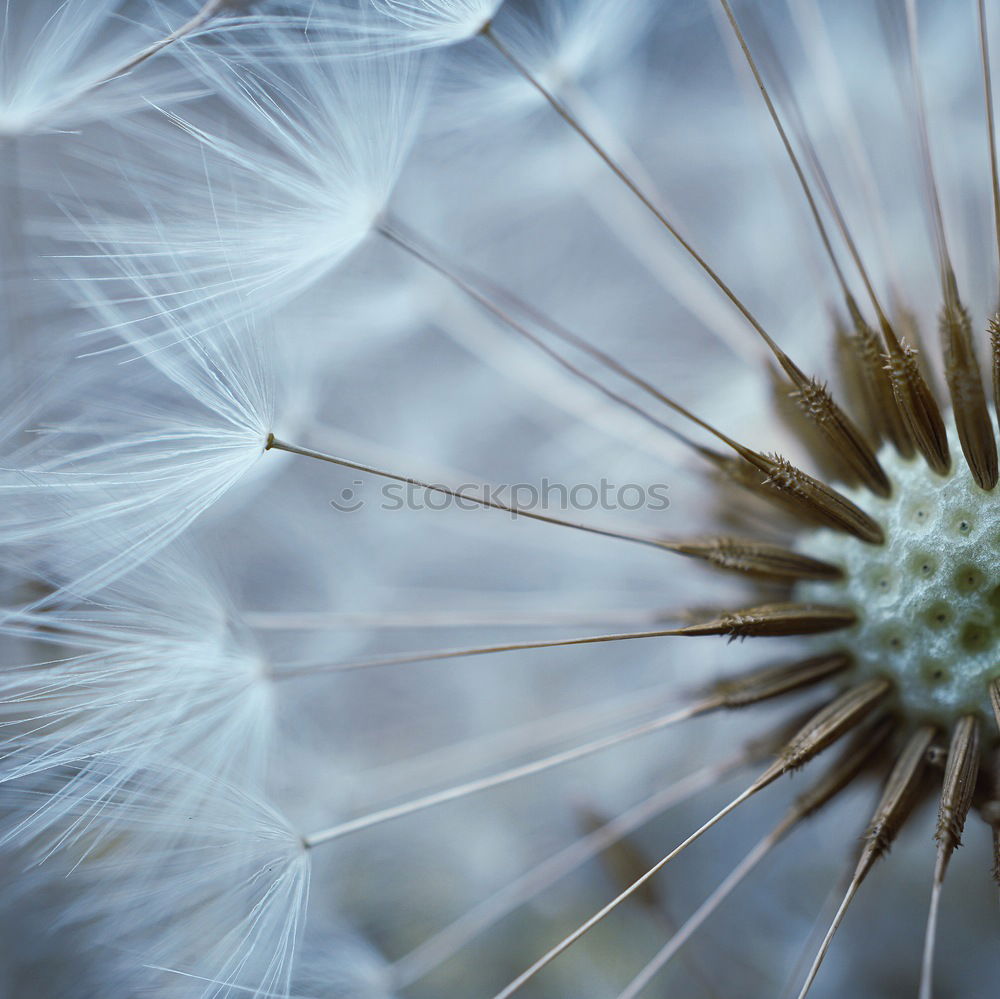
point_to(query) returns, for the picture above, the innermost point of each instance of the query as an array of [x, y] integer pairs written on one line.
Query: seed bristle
[[755, 558], [774, 620], [959, 785], [975, 431], [916, 402], [817, 498], [770, 681], [875, 383], [828, 725]]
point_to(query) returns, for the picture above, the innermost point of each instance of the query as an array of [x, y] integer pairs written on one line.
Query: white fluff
[[364, 27], [260, 202], [143, 446], [199, 893], [157, 667], [55, 56]]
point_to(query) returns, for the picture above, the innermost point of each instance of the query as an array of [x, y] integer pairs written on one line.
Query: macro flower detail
[[298, 702]]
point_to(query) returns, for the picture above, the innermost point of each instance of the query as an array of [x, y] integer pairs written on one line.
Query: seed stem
[[570, 119], [819, 732], [894, 808], [453, 937], [507, 776], [721, 893], [273, 443], [766, 620]]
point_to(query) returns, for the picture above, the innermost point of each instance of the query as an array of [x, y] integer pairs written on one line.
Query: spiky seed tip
[[773, 620], [774, 680], [959, 786], [844, 437], [968, 400], [830, 723], [917, 404], [876, 386], [900, 795], [755, 558], [816, 498]]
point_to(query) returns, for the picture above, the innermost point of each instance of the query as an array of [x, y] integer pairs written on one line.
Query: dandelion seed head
[[146, 739], [132, 461]]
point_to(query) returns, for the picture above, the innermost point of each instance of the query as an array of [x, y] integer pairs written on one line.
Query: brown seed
[[851, 763], [916, 402], [829, 724], [773, 681], [898, 798], [965, 384], [876, 385], [958, 788], [774, 620], [755, 558], [816, 498]]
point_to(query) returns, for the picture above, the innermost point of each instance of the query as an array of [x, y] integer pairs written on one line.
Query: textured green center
[[928, 600]]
